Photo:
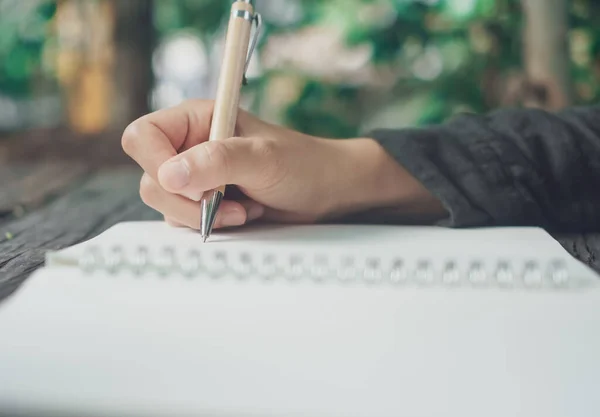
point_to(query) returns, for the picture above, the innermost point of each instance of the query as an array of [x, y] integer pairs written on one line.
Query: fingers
[[153, 139], [158, 137], [180, 211], [249, 162]]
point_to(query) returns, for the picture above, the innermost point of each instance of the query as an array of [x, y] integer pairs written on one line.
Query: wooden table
[[57, 189]]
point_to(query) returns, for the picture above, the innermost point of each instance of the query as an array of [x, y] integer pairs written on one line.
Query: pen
[[236, 57]]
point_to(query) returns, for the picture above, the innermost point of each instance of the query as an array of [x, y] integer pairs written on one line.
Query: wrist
[[368, 178]]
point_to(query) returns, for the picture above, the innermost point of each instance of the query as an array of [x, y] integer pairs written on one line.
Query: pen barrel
[[232, 71]]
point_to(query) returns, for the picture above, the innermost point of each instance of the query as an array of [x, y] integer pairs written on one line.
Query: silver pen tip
[[204, 238], [208, 212]]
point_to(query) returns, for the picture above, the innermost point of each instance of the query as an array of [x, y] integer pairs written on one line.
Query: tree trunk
[[84, 63], [134, 43], [546, 58]]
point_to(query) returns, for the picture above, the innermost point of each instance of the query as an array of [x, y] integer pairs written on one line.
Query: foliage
[[454, 56], [24, 32], [437, 57]]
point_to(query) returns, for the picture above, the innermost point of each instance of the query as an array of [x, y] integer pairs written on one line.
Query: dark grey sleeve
[[509, 167]]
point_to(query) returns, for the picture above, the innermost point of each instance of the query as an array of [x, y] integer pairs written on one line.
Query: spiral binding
[[194, 263]]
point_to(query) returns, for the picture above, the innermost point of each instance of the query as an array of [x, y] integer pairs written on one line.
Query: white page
[[228, 347], [366, 238], [243, 348]]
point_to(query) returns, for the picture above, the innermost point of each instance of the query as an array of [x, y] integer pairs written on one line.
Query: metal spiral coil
[[192, 263]]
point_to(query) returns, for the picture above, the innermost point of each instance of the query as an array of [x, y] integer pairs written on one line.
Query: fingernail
[[194, 196], [175, 175], [233, 218], [255, 211]]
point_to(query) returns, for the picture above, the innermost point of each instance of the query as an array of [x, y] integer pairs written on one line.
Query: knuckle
[[264, 147], [130, 138], [193, 102], [147, 189], [271, 165]]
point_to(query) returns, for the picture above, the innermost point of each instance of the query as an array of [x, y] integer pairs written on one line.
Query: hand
[[279, 174]]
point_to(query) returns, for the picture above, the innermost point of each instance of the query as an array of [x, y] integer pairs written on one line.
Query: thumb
[[238, 160]]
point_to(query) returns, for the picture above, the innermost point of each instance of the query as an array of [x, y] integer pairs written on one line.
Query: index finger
[[156, 137]]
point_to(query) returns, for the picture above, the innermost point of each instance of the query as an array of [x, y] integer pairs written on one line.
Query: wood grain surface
[[58, 190]]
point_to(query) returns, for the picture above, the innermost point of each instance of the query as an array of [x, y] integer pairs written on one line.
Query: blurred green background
[[334, 68]]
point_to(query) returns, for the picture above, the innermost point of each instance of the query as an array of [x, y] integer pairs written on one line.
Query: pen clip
[[257, 18]]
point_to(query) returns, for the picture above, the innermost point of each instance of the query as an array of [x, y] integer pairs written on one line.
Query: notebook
[[315, 320]]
